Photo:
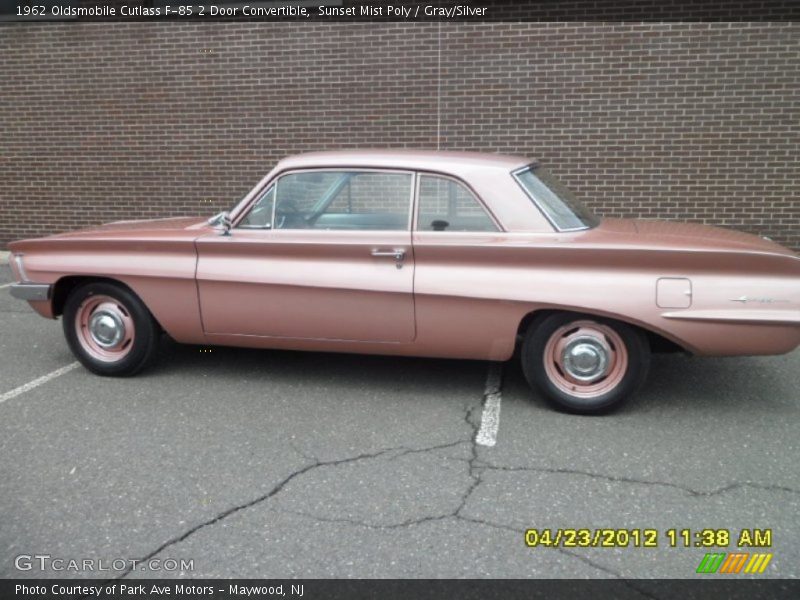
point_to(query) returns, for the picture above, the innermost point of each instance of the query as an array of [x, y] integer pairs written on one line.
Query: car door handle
[[398, 254]]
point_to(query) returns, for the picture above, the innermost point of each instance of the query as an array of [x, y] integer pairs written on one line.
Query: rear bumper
[[32, 292]]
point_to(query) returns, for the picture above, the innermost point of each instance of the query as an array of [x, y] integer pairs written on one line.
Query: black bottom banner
[[390, 589]]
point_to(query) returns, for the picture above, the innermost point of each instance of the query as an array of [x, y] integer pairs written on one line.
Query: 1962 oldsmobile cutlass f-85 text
[[437, 254]]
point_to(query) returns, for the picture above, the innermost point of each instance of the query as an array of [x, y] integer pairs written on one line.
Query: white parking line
[[490, 419], [5, 285], [37, 382]]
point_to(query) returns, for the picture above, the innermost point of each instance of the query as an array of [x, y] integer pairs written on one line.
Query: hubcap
[[586, 359], [106, 328]]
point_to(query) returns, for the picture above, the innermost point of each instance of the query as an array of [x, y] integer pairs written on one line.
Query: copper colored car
[[439, 254]]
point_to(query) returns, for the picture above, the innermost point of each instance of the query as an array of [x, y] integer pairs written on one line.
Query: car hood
[[677, 235], [172, 223], [174, 229]]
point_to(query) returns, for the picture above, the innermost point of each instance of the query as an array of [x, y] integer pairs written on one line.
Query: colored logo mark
[[734, 562]]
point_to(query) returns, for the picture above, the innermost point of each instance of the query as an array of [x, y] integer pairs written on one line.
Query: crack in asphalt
[[473, 474], [272, 492], [565, 552], [429, 449], [456, 513], [475, 470], [454, 516], [647, 482], [315, 464]]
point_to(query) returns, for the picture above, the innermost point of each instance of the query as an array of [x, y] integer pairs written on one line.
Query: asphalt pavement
[[245, 463]]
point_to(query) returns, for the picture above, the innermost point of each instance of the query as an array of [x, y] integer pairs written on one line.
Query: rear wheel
[[109, 329], [584, 364]]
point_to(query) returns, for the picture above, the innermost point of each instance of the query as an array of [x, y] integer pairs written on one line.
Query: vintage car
[[434, 254]]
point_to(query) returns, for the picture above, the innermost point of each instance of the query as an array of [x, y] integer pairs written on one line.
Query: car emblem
[[745, 299]]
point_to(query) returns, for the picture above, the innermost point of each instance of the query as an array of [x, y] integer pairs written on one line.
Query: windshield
[[557, 203]]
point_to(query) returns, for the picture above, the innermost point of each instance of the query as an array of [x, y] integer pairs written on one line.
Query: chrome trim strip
[[761, 317], [20, 267], [31, 292]]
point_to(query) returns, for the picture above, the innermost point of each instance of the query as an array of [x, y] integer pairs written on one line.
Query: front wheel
[[584, 364], [109, 329]]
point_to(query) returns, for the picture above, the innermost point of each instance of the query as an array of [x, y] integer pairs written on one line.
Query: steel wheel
[[109, 329], [584, 364]]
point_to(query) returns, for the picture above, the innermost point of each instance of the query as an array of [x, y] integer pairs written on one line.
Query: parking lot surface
[[279, 464]]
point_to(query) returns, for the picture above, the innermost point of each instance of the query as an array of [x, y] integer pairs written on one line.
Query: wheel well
[[532, 318], [64, 286], [658, 343]]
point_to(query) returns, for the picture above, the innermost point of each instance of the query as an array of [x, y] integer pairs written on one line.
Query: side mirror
[[440, 225], [224, 220]]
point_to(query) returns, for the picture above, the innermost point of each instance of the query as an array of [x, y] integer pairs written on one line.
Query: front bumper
[[31, 291]]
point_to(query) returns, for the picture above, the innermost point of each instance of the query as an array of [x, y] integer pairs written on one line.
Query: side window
[[446, 205], [260, 215], [348, 200]]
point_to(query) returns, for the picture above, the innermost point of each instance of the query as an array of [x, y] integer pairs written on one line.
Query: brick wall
[[104, 121]]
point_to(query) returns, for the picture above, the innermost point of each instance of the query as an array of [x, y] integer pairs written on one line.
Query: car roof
[[456, 163]]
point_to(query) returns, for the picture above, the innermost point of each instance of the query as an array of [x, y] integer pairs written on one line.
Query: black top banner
[[49, 11]]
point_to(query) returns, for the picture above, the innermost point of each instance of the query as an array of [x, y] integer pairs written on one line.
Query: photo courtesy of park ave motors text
[[497, 292]]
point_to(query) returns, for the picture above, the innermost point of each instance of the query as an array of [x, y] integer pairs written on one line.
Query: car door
[[321, 254], [458, 259]]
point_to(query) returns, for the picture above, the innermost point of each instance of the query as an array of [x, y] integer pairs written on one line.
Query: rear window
[[559, 205]]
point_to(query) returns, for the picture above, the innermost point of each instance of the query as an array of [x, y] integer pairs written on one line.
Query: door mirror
[[222, 219]]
